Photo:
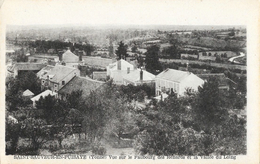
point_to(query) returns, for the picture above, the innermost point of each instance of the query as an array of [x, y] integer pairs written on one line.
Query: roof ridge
[[179, 75], [211, 74]]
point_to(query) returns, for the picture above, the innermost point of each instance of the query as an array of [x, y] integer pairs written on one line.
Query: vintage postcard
[[131, 81]]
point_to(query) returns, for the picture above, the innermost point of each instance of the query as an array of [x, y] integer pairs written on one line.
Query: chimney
[[60, 55], [128, 70], [76, 52], [80, 55], [141, 75], [187, 68], [119, 65]]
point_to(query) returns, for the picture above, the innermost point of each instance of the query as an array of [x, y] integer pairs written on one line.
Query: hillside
[[214, 43]]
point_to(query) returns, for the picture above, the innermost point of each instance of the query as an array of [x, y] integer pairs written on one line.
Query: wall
[[168, 85], [191, 81]]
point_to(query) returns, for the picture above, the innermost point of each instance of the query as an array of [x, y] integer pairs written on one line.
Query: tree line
[[42, 46], [200, 123]]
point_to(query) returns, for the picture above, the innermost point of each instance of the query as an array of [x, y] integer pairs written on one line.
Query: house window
[[163, 89], [63, 82]]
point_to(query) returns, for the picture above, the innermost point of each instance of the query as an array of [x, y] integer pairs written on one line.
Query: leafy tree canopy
[[121, 51], [152, 60]]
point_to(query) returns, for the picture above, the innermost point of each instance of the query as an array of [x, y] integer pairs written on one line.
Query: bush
[[12, 136], [98, 149], [25, 149]]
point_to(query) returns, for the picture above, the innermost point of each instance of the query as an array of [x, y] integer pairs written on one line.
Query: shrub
[[98, 149]]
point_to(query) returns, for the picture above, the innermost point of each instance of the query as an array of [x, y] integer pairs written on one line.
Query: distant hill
[[115, 26], [214, 43]]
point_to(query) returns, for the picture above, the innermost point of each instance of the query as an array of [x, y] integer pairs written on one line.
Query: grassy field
[[213, 42]]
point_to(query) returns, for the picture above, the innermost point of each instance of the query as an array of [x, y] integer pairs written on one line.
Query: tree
[[88, 49], [111, 48], [210, 104], [74, 99], [12, 134], [174, 50], [80, 57], [94, 114], [140, 61], [232, 33], [29, 80], [121, 122], [16, 86], [162, 131], [196, 124], [134, 48], [47, 105], [152, 60], [20, 56], [121, 51], [75, 119], [57, 113], [37, 131]]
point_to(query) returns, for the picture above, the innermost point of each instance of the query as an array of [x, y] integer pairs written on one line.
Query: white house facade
[[119, 65], [118, 70], [176, 81]]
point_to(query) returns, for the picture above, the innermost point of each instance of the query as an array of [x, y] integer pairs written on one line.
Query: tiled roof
[[134, 76], [44, 70], [69, 57], [173, 75], [27, 66], [58, 72], [80, 83], [113, 66], [43, 94]]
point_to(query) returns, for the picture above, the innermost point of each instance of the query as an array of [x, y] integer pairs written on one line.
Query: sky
[[124, 12]]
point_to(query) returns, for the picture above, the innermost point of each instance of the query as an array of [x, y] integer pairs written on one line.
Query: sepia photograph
[[129, 80]]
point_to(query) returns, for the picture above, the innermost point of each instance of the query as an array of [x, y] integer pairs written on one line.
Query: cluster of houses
[[63, 78]]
